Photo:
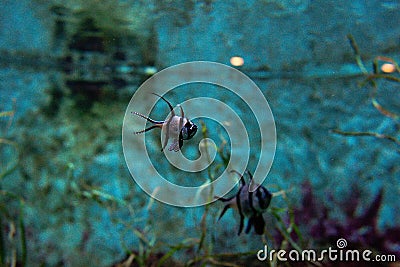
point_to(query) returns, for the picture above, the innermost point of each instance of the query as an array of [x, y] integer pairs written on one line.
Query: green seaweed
[[23, 236], [8, 250], [2, 246], [10, 167]]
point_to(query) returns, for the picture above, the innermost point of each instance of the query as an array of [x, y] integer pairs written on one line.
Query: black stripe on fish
[[261, 196], [253, 218], [251, 202], [180, 140]]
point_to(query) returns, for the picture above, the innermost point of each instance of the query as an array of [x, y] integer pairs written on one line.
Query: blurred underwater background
[[68, 69]]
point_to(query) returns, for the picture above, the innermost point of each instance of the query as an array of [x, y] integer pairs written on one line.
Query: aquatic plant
[[281, 8], [204, 246], [360, 229], [10, 164], [387, 73], [99, 46], [182, 10], [12, 226], [198, 249], [60, 191], [114, 18]]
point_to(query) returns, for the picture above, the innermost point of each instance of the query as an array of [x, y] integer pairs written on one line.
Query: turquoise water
[[68, 71]]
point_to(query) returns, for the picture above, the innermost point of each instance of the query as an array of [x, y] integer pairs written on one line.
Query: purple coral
[[360, 231]]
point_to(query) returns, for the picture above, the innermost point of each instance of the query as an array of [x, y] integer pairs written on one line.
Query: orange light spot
[[237, 61], [388, 68]]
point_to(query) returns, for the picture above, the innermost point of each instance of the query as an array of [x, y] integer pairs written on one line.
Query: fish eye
[[193, 130], [188, 130]]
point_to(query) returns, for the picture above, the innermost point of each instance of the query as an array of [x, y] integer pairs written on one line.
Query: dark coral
[[360, 230]]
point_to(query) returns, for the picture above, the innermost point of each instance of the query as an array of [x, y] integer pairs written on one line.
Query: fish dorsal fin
[[242, 181], [252, 185], [166, 101], [182, 113], [250, 175]]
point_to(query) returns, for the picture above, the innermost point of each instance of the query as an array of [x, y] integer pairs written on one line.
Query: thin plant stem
[[376, 135]]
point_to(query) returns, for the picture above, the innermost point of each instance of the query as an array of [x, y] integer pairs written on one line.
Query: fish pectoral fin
[[174, 146]]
